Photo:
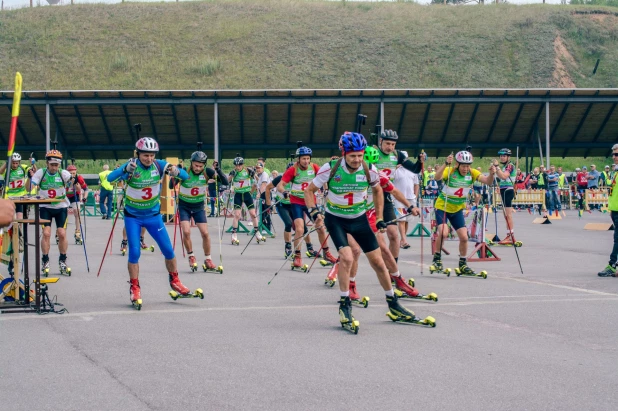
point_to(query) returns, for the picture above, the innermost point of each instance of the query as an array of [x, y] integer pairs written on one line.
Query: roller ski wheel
[[411, 282], [213, 269], [428, 297], [363, 302], [235, 241], [64, 269], [325, 263], [304, 268], [466, 271], [198, 293], [78, 241], [137, 304], [427, 321], [260, 240], [440, 270], [123, 252], [330, 283], [192, 264]]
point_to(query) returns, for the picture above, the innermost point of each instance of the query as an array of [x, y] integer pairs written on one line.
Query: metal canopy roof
[[97, 124]]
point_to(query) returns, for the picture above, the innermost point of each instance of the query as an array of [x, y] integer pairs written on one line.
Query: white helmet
[[16, 157], [147, 145], [464, 157]]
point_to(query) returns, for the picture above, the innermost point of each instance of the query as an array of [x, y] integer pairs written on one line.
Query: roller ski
[[124, 247], [609, 271], [464, 270], [398, 313], [192, 263], [210, 267], [328, 260], [406, 290], [331, 278], [259, 238], [437, 267], [345, 315], [78, 238], [355, 298], [508, 241], [45, 268], [311, 253], [143, 245], [235, 238], [135, 294], [64, 268], [297, 264], [180, 291]]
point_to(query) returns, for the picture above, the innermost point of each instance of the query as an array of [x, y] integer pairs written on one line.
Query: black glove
[[313, 213], [381, 225], [233, 173], [215, 164], [286, 194], [251, 172]]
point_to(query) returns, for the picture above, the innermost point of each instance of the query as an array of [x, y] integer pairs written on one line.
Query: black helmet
[[389, 135], [505, 152], [199, 156], [238, 161]]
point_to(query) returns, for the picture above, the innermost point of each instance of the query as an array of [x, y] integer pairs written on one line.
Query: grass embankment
[[257, 44]]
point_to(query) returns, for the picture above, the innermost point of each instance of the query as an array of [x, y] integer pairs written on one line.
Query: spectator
[[432, 187], [477, 186], [610, 270], [582, 185], [593, 183], [263, 161], [534, 179], [542, 183], [552, 185], [106, 193], [406, 182], [605, 177]]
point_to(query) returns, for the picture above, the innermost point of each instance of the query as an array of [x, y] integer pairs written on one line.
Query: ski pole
[[512, 237], [421, 204], [227, 207], [81, 230], [321, 248]]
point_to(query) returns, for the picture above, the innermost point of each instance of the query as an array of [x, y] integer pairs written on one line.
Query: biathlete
[[300, 176], [53, 183], [242, 179], [451, 202], [76, 199], [507, 173], [191, 205], [284, 211], [143, 209], [389, 159], [348, 180]]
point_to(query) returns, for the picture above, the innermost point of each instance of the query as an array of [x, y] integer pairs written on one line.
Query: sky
[[21, 3]]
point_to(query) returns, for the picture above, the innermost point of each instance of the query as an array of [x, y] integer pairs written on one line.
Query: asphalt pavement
[[541, 340]]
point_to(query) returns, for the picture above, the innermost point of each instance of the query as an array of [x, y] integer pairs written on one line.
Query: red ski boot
[[135, 294], [401, 285], [329, 257], [192, 263], [177, 285], [353, 294], [405, 289], [510, 240], [331, 278], [297, 264]]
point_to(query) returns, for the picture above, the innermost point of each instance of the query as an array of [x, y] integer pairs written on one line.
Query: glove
[[422, 157], [130, 167], [286, 194], [251, 172], [314, 213], [173, 171], [412, 210], [381, 225], [233, 173], [215, 164]]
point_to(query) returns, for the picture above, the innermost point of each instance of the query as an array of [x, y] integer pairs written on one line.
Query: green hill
[[307, 44]]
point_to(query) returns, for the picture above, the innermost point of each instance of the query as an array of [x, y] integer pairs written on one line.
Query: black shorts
[[457, 219], [19, 208], [197, 213], [59, 215], [358, 228], [388, 214], [507, 195], [72, 200], [240, 198]]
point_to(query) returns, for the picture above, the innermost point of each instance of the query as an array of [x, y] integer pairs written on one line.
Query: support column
[[47, 129], [217, 149], [381, 116], [547, 134]]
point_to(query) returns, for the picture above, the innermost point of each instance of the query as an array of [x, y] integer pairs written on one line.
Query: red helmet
[[71, 168]]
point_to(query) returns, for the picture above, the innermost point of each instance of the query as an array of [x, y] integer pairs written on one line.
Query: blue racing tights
[[155, 227]]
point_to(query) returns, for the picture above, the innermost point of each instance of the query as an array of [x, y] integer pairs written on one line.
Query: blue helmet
[[303, 151], [352, 142]]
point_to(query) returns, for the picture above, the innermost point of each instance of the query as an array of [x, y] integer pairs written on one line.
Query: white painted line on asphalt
[[88, 316]]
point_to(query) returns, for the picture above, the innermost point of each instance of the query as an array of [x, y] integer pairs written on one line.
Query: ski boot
[[192, 263], [45, 268], [509, 240], [311, 253], [78, 237], [437, 267], [609, 271], [297, 264], [331, 278], [64, 268], [180, 291], [210, 267], [124, 246], [405, 290], [143, 245], [355, 298], [288, 250], [398, 313], [235, 238], [328, 260], [259, 238], [466, 271], [345, 315], [135, 294]]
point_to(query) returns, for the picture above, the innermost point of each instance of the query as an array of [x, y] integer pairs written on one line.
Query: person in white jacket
[[408, 183]]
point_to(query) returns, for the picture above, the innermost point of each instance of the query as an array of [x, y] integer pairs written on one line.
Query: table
[[19, 304]]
